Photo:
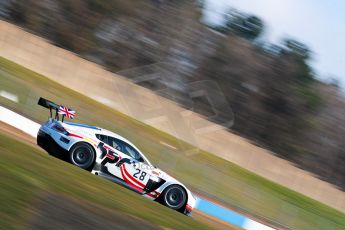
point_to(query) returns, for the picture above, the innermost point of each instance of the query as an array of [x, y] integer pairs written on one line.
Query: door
[[131, 166]]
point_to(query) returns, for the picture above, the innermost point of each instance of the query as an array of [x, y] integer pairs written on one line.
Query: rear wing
[[58, 109]]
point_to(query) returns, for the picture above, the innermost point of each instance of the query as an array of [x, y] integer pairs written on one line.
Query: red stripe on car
[[129, 182], [75, 135], [132, 178], [153, 196], [110, 156]]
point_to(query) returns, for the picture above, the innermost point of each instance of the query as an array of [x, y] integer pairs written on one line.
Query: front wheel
[[82, 155], [174, 197]]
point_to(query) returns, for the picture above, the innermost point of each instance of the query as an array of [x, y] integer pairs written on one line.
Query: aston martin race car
[[110, 156]]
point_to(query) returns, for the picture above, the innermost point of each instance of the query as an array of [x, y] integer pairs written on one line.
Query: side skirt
[[115, 180]]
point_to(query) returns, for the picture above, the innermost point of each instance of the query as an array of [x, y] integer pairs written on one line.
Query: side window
[[129, 150], [116, 144], [102, 138], [109, 141]]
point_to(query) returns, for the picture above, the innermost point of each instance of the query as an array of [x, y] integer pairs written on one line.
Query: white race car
[[111, 156]]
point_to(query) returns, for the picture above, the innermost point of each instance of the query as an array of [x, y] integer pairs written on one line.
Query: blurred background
[[276, 98], [276, 91]]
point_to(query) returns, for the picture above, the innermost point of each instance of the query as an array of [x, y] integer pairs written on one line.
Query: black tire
[[174, 197], [82, 155]]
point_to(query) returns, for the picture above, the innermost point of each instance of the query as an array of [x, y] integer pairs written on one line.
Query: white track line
[[19, 122], [253, 225], [8, 95], [166, 144]]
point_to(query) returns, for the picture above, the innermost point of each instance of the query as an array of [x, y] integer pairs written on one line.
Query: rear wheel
[[82, 155], [174, 197]]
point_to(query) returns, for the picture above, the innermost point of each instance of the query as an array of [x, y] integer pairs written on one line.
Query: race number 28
[[139, 173]]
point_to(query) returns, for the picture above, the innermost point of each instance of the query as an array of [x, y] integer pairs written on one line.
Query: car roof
[[98, 130], [112, 134]]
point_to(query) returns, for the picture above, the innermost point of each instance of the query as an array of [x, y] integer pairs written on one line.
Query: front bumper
[[188, 210]]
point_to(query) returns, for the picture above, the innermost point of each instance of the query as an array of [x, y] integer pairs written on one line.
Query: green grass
[[27, 173], [202, 172]]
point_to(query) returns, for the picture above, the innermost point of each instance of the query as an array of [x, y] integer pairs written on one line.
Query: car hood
[[165, 176]]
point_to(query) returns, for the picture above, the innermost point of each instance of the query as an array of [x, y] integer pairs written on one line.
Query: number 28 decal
[[140, 174]]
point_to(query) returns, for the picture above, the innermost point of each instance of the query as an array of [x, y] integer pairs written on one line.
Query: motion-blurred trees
[[247, 26], [70, 24], [270, 98], [297, 48]]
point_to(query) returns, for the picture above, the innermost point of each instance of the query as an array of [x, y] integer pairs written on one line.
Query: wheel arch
[[182, 209], [92, 147], [82, 141]]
